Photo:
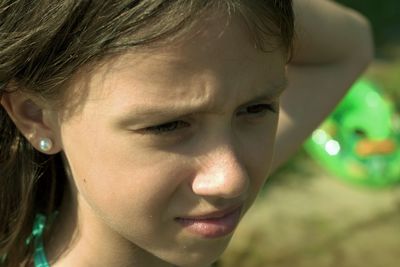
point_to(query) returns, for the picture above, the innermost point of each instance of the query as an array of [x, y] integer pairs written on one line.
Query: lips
[[212, 225]]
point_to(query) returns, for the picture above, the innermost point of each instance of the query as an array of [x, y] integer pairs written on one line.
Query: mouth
[[212, 225]]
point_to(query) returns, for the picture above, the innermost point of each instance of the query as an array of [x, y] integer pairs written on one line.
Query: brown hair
[[43, 43]]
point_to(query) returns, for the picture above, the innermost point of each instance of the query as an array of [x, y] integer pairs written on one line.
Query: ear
[[34, 120]]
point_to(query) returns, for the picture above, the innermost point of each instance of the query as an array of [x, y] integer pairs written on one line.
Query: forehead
[[219, 59]]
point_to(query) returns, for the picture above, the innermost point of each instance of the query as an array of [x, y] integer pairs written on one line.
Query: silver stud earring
[[45, 144]]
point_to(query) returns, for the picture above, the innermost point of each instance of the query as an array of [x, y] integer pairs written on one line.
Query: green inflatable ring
[[359, 142]]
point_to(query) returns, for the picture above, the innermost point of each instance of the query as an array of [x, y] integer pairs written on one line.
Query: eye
[[259, 109], [166, 127]]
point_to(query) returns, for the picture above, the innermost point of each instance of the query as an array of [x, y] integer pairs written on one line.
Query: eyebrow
[[140, 113]]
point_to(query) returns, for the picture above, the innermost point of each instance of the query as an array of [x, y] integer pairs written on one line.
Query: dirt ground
[[311, 219]]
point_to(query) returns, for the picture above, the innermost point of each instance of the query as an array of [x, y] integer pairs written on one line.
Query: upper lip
[[213, 214]]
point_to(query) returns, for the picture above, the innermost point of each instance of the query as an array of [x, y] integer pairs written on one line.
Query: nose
[[221, 175]]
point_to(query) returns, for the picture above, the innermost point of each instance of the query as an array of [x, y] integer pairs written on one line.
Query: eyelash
[[165, 128], [261, 109]]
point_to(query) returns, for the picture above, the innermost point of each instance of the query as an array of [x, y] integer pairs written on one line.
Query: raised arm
[[333, 47]]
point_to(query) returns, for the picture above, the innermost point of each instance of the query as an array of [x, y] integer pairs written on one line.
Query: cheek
[[257, 153], [119, 179]]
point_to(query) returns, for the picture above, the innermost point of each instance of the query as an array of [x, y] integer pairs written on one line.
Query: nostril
[[219, 183], [221, 173]]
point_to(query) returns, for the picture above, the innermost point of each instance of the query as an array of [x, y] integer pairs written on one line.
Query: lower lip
[[213, 227]]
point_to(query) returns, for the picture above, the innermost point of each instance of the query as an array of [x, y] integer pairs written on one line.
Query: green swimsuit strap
[[39, 255]]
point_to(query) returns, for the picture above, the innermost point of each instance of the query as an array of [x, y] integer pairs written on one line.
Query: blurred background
[[306, 216]]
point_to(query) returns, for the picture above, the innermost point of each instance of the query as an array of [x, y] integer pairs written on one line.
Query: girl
[[138, 133]]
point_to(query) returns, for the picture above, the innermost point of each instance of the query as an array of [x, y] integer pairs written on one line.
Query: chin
[[202, 257], [197, 263]]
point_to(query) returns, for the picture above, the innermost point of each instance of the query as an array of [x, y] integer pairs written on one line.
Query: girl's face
[[168, 147]]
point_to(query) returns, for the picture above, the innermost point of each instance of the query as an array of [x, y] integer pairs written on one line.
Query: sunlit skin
[[216, 97], [160, 135]]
